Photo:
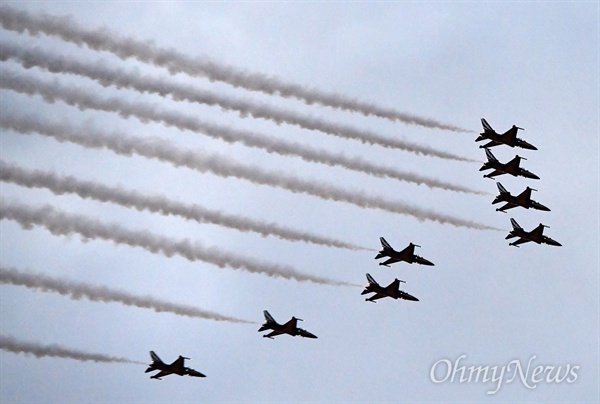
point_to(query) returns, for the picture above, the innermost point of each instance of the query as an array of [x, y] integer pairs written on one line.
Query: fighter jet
[[287, 328], [176, 367], [523, 199], [408, 254], [512, 167], [535, 235], [508, 138], [392, 290]]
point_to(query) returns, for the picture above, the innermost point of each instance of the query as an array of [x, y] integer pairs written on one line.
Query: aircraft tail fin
[[515, 225], [371, 280], [155, 357], [385, 248], [501, 188], [490, 156], [486, 125], [384, 244], [268, 317]]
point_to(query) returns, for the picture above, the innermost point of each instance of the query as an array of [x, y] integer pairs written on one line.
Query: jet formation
[[408, 255], [513, 168]]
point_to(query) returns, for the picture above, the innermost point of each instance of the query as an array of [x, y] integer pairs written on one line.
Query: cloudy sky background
[[531, 64]]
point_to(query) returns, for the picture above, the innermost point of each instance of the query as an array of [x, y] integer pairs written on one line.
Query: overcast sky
[[439, 67]]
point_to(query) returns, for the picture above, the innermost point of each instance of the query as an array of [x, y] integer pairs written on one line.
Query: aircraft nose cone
[[531, 175], [553, 242]]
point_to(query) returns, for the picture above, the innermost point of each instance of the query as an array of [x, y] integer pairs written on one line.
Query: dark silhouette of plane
[[535, 235], [288, 328], [508, 138], [512, 167], [408, 254], [392, 290], [523, 199], [176, 367]]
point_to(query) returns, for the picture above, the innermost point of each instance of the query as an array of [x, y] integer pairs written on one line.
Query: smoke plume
[[61, 223], [53, 90], [157, 204], [225, 167], [176, 62], [11, 344], [76, 291]]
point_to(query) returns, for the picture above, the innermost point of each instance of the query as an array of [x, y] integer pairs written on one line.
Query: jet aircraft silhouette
[[536, 235], [177, 367], [512, 167], [408, 254], [392, 290], [508, 138], [512, 201], [290, 327]]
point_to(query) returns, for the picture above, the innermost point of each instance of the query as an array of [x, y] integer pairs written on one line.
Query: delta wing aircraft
[[508, 138], [512, 201], [512, 167], [392, 290], [408, 254], [177, 367], [536, 235], [290, 327]]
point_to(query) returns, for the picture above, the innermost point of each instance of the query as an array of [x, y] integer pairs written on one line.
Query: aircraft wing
[[520, 241], [194, 373], [506, 207], [537, 232], [272, 334], [494, 173], [390, 261], [490, 144], [160, 374], [376, 296], [292, 324]]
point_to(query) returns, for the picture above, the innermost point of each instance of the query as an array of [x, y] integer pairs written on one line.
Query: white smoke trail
[[156, 203], [223, 166], [77, 290], [61, 223], [53, 90], [108, 75], [148, 52], [11, 344]]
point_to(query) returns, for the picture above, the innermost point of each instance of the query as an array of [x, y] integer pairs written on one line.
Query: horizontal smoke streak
[[77, 290], [223, 166], [62, 223], [156, 203], [108, 75], [145, 51], [53, 90], [11, 344]]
